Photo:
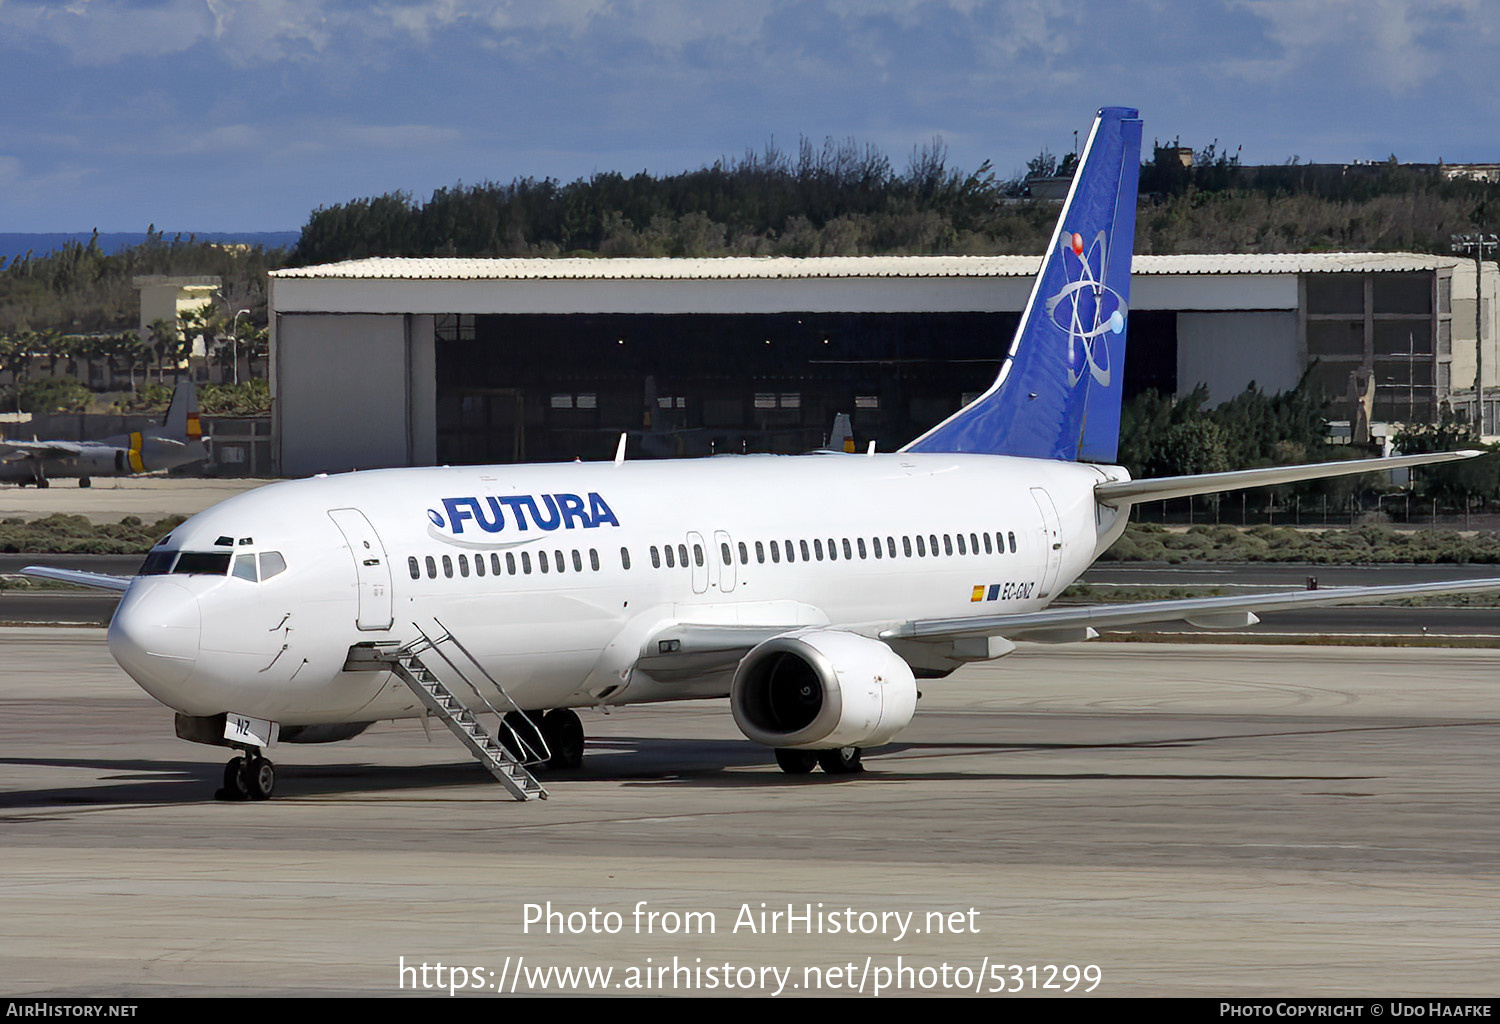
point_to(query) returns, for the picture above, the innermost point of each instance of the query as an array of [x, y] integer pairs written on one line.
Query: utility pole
[[1478, 245]]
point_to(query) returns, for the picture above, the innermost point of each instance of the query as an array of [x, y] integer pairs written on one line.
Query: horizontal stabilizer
[[1133, 491], [102, 580], [1209, 611]]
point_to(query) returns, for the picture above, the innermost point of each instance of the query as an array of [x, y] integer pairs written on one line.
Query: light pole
[[1478, 245], [234, 336]]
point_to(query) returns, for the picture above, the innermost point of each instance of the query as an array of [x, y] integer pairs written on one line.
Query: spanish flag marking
[[978, 594], [194, 428]]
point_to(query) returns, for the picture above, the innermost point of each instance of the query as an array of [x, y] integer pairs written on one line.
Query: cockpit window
[[202, 563], [271, 563], [244, 567], [157, 563]]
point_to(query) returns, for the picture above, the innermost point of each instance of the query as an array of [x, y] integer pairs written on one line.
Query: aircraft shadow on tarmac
[[630, 761]]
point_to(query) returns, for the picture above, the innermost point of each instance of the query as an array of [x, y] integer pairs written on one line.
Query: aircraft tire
[[842, 761], [563, 730], [260, 778], [796, 762], [235, 781], [84, 481]]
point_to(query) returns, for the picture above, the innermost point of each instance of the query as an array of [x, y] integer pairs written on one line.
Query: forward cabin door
[[375, 608], [1051, 539]]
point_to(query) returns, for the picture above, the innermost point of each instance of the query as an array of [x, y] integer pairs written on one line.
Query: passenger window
[[413, 566], [594, 559], [805, 556], [698, 555], [431, 568], [989, 548], [448, 567], [818, 549], [494, 563], [760, 553], [947, 544], [921, 547], [625, 558], [526, 562], [682, 555], [961, 549], [833, 550], [974, 543], [244, 567], [791, 552], [775, 551], [559, 561], [890, 546], [932, 544], [578, 560], [875, 543], [671, 560], [478, 565], [861, 542], [655, 557], [510, 562], [463, 566], [542, 563], [724, 552], [906, 546], [1012, 542], [744, 554], [847, 552]]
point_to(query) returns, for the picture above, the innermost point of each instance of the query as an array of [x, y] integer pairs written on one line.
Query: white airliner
[[811, 590]]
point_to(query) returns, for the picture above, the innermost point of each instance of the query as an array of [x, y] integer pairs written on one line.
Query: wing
[[16, 450], [101, 580], [1075, 623]]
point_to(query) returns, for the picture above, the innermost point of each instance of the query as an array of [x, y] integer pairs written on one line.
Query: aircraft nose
[[154, 636]]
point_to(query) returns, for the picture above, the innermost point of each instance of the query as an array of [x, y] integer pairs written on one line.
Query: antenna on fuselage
[[620, 449]]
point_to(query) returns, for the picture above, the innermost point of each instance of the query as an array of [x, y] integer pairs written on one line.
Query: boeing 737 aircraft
[[177, 442], [813, 591]]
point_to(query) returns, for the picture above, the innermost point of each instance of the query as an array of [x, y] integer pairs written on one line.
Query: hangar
[[421, 361]]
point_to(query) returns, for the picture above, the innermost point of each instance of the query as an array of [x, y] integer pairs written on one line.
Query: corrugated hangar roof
[[458, 268]]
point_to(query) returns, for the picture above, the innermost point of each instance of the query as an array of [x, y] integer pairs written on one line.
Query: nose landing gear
[[250, 777]]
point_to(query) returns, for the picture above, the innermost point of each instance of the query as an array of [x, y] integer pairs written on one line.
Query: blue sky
[[244, 115]]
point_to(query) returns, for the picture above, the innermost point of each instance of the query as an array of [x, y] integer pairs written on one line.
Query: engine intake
[[820, 689]]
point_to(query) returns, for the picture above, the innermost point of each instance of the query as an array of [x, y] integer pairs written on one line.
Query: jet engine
[[820, 689]]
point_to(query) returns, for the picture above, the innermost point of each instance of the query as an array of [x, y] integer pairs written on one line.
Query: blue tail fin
[[1058, 392]]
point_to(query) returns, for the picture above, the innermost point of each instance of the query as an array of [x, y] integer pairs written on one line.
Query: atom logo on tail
[[1086, 309]]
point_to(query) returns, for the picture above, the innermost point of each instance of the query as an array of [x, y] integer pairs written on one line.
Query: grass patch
[[65, 534], [1363, 545]]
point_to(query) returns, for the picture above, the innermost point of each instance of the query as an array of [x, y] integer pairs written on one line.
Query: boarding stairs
[[508, 769]]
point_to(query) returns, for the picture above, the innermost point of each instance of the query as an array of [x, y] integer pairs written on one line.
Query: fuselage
[[554, 575]]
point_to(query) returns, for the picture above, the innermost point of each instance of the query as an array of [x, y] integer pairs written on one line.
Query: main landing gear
[[839, 761], [248, 777], [562, 730]]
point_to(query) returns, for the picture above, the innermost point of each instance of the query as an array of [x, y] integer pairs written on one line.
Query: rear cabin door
[[374, 575], [1051, 539]]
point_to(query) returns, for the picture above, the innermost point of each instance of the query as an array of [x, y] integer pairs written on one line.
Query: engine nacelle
[[819, 689]]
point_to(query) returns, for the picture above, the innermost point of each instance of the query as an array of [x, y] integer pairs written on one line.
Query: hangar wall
[[353, 391], [1227, 350]]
